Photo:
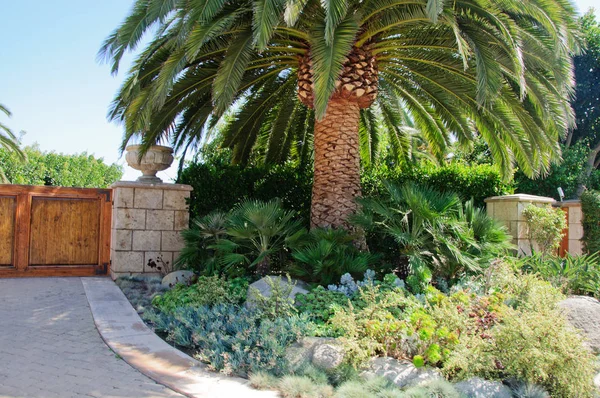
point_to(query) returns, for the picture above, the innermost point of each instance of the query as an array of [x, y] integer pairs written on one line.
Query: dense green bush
[[208, 290], [590, 206], [218, 185], [50, 168], [568, 175], [230, 338]]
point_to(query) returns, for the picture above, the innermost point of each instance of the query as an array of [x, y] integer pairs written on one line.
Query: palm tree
[[9, 141], [336, 74]]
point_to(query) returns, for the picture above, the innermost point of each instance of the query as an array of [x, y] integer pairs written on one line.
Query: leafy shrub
[[232, 339], [320, 304], [51, 168], [590, 206], [326, 255], [545, 226], [572, 274], [208, 290], [219, 186]]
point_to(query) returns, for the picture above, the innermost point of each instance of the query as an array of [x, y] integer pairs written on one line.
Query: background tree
[[50, 168], [9, 142], [336, 73]]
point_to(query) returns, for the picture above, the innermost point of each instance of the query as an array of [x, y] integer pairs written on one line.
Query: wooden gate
[[54, 231]]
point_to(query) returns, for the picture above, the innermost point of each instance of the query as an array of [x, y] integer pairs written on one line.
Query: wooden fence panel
[[7, 229], [56, 231], [64, 231]]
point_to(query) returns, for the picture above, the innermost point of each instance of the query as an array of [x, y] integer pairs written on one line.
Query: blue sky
[[50, 79]]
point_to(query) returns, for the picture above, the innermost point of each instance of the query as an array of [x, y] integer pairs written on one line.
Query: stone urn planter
[[158, 158]]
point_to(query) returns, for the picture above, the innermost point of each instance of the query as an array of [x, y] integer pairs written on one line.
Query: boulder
[[264, 289], [175, 277], [584, 314], [325, 353], [401, 373], [328, 355], [480, 388]]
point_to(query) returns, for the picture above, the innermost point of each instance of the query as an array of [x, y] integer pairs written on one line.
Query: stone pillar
[[147, 221], [508, 210], [574, 218]]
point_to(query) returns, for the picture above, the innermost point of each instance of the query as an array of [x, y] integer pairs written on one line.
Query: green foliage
[[198, 252], [571, 274], [50, 168], [207, 291], [545, 226], [140, 291], [232, 339], [568, 175], [219, 186], [320, 304], [254, 236], [278, 303], [245, 59], [590, 206], [432, 231], [9, 144], [326, 255]]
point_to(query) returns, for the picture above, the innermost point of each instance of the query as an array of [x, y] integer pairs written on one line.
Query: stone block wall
[[508, 210], [575, 227], [147, 221]]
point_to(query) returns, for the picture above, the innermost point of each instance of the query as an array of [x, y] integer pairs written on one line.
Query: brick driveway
[[49, 346]]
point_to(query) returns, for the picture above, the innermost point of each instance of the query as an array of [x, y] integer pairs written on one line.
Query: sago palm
[[298, 72]]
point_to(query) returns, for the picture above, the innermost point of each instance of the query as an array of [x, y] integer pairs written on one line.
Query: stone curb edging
[[127, 335]]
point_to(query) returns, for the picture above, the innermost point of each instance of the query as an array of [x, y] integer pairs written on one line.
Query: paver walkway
[[49, 346]]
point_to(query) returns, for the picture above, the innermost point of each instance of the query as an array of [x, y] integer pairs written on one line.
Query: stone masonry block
[[129, 219], [146, 240], [176, 200], [167, 257], [123, 197], [122, 239], [127, 261], [575, 247], [171, 241], [575, 215], [148, 198], [575, 231], [159, 220], [506, 211], [182, 220]]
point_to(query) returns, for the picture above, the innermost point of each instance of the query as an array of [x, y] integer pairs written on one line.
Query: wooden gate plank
[[64, 231], [7, 229]]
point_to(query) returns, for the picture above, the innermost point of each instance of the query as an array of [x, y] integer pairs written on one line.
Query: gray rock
[[322, 352], [480, 388], [175, 277], [328, 355], [584, 314], [401, 373], [597, 381], [264, 289]]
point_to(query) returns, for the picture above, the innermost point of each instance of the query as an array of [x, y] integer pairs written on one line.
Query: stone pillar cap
[[520, 197], [162, 185]]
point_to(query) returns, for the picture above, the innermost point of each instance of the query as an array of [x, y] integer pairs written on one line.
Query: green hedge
[[220, 186], [590, 206]]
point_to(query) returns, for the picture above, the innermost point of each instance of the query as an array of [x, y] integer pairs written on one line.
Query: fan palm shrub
[[258, 233], [285, 77], [326, 255], [432, 231], [198, 252]]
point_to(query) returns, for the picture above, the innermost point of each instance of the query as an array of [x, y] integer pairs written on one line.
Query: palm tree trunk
[[337, 165]]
